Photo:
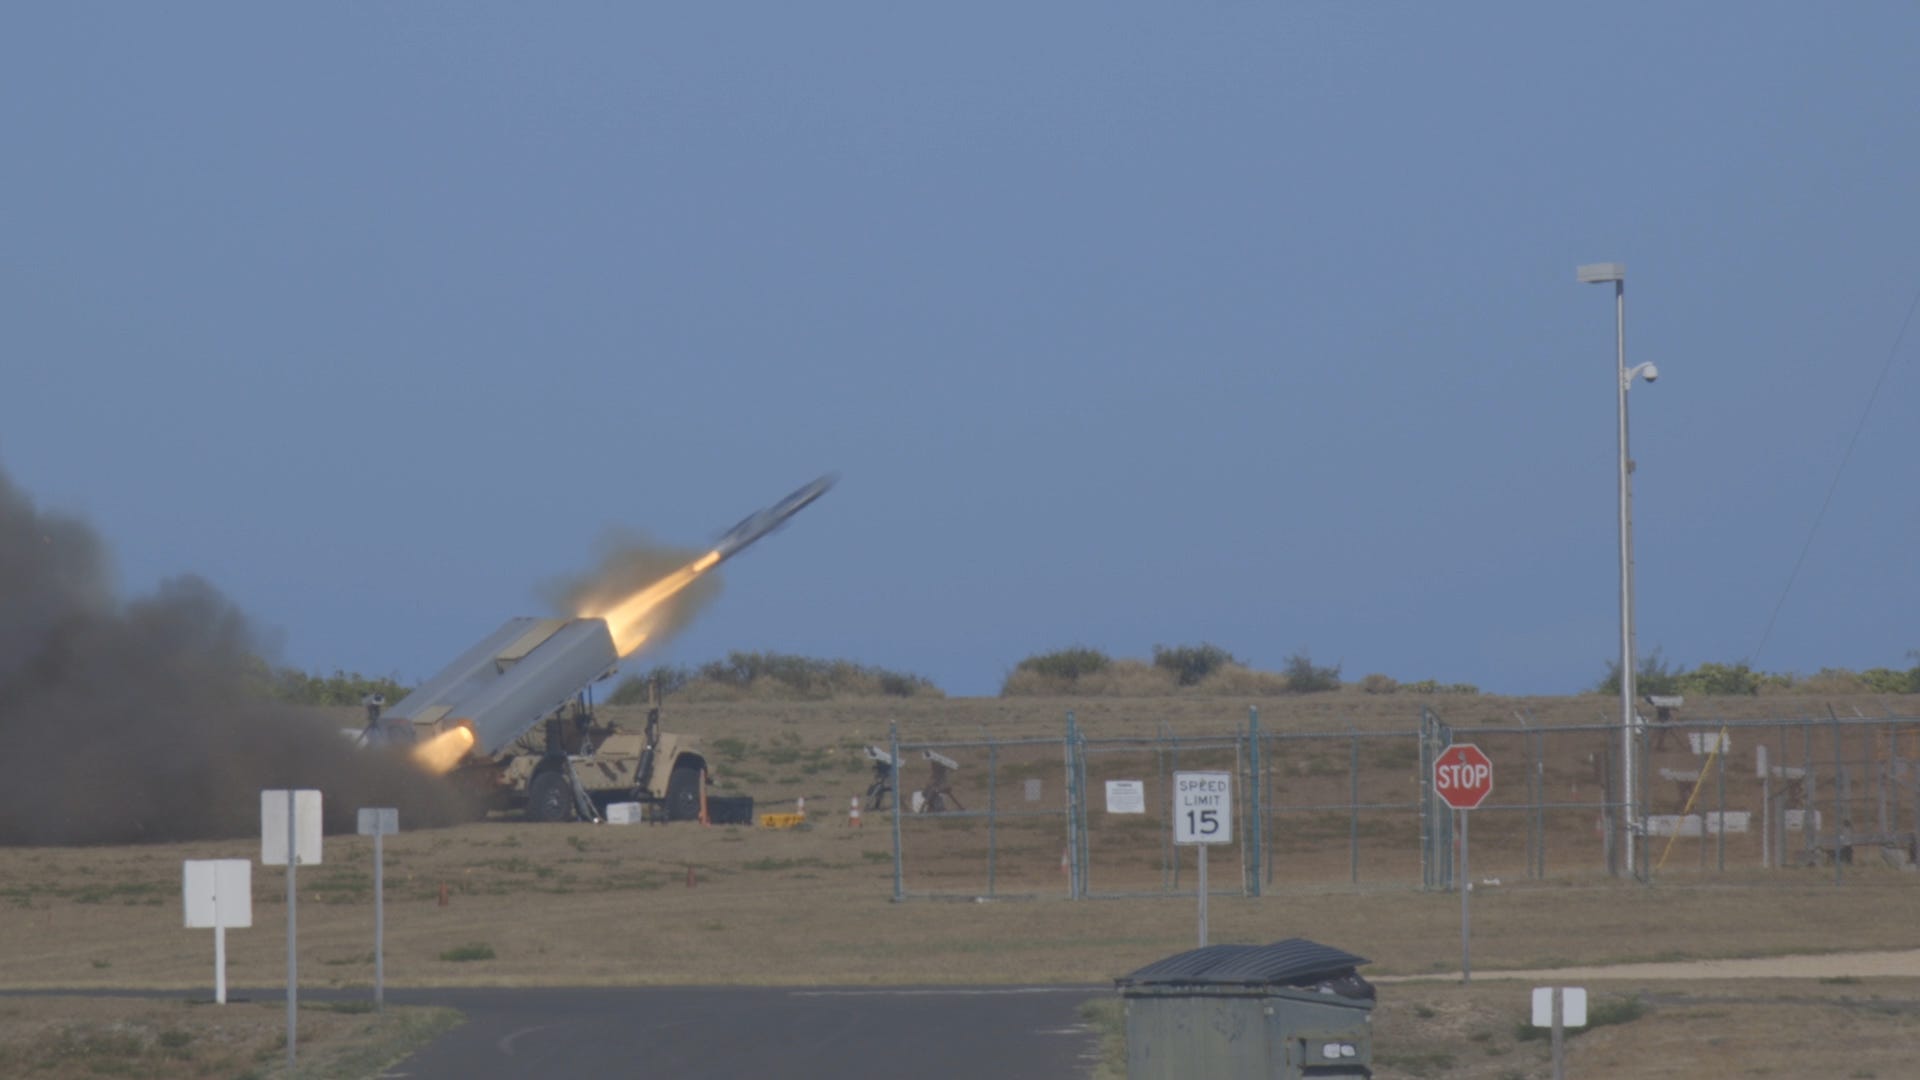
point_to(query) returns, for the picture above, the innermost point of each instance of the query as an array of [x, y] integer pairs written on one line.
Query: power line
[[1834, 485]]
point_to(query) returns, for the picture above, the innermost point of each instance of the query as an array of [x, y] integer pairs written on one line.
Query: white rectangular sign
[[1126, 796], [1202, 808], [217, 892], [273, 828], [374, 820], [1573, 1006]]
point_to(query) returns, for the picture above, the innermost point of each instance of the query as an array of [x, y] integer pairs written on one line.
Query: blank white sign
[[217, 892], [374, 821], [1573, 1006], [273, 828]]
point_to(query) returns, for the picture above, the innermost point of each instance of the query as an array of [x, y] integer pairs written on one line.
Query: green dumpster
[[1294, 1009]]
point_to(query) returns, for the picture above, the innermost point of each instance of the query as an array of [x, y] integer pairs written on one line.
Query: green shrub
[[1379, 684], [462, 954], [1652, 675], [1720, 679], [1656, 676], [1303, 677], [1068, 664], [632, 690], [900, 684], [787, 676], [296, 687], [1191, 663], [1830, 680], [1889, 681], [1122, 678]]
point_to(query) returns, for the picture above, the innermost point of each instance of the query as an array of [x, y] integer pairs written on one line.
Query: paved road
[[719, 1032]]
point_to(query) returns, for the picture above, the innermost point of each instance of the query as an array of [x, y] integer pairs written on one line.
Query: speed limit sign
[[1202, 808]]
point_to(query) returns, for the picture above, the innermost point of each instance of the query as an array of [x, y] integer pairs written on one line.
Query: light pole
[[1616, 273]]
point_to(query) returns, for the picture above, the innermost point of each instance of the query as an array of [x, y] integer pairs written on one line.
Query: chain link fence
[[1082, 816]]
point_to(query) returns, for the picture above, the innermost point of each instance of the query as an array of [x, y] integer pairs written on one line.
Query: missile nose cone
[[758, 524]]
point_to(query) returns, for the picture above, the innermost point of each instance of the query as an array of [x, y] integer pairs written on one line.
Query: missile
[[758, 524]]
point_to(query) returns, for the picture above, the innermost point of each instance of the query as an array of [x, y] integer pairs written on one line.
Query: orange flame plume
[[633, 618], [442, 752]]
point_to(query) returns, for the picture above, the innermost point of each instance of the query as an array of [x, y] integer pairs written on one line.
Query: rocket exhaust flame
[[634, 618], [442, 752]]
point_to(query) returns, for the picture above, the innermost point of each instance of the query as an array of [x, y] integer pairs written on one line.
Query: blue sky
[[1124, 324]]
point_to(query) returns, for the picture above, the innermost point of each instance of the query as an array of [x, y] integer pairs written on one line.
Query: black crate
[[730, 809]]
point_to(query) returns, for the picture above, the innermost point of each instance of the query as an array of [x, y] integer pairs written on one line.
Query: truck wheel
[[549, 797], [683, 793]]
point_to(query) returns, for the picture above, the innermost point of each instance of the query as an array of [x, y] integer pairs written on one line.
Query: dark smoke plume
[[150, 720], [630, 562]]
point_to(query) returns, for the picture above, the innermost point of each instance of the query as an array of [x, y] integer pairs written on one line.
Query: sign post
[[378, 822], [1463, 777], [218, 893], [1203, 817], [1559, 1008], [289, 836]]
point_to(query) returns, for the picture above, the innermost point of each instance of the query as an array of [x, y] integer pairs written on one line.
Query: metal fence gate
[[1030, 817]]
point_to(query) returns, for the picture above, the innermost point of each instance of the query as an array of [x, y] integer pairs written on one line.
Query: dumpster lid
[[1290, 962]]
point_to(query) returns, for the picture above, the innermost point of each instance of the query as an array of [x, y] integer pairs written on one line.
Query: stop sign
[[1463, 776]]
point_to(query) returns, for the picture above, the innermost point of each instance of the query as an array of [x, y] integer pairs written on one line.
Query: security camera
[[1649, 372]]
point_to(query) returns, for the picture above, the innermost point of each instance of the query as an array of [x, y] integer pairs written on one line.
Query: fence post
[[1535, 788], [1168, 869], [1084, 854], [1810, 802], [1721, 765], [1637, 813], [1882, 765], [993, 810], [1267, 802], [1540, 806], [1426, 839], [1353, 809], [1436, 821], [893, 747], [1259, 831], [1429, 870], [1169, 804], [1842, 796], [1073, 836], [1609, 810]]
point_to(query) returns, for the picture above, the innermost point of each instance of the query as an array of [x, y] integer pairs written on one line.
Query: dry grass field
[[54, 1038], [602, 905]]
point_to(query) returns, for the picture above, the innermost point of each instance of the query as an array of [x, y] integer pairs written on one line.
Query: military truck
[[576, 766], [513, 718]]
